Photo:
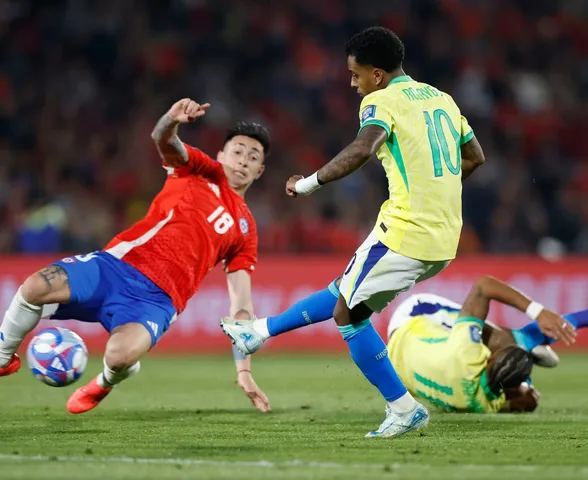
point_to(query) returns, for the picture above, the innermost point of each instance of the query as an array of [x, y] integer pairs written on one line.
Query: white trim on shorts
[[376, 275]]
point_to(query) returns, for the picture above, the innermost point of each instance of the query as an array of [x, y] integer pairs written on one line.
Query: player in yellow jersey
[[426, 147], [447, 354]]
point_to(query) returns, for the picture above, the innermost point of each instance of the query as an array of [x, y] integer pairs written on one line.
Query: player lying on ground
[[144, 277], [426, 147], [468, 369], [447, 354]]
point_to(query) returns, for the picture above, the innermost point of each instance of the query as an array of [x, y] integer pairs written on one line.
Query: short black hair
[[376, 46], [252, 130], [511, 367]]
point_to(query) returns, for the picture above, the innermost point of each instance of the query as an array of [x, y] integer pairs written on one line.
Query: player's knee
[[49, 285], [119, 359], [341, 313], [33, 290]]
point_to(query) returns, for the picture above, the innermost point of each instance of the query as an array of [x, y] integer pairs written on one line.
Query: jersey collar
[[490, 395], [403, 78]]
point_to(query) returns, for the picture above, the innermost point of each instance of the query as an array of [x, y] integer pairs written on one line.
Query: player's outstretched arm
[[165, 133], [472, 157], [488, 288], [241, 308], [350, 159]]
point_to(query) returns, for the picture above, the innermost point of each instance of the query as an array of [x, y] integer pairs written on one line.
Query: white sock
[[404, 404], [260, 326], [109, 378], [20, 318]]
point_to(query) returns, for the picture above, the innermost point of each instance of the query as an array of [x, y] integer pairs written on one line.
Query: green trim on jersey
[[427, 382], [466, 138], [477, 321], [433, 339], [401, 79], [397, 155], [379, 123], [436, 401], [490, 395]]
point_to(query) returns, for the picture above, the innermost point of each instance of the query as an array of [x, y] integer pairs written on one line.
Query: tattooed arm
[[350, 159], [165, 133], [355, 155]]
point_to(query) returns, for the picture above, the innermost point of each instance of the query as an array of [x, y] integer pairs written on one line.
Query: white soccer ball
[[57, 356]]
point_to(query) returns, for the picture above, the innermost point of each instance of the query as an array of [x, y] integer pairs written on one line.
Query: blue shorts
[[107, 290]]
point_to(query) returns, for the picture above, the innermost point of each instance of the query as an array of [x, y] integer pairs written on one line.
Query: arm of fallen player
[[488, 288], [165, 134], [241, 308]]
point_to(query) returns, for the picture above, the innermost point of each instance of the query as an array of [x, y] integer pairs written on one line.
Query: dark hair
[[252, 130], [376, 46], [512, 365]]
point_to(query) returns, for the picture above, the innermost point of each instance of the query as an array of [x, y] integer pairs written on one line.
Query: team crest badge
[[68, 260], [244, 225]]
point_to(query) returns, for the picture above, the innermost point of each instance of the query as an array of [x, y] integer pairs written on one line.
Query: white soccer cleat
[[245, 338], [397, 424], [544, 356]]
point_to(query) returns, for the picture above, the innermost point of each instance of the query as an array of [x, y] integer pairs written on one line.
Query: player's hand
[[291, 185], [255, 394], [187, 110], [556, 327], [524, 398]]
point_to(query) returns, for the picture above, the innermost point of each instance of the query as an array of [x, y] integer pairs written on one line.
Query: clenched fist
[[291, 185], [187, 110]]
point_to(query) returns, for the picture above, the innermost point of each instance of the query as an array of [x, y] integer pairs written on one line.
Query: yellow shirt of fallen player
[[446, 368], [422, 159]]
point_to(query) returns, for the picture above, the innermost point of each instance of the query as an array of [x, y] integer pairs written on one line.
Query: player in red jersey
[[143, 278]]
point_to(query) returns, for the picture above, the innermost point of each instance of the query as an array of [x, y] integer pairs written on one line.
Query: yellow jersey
[[422, 159], [448, 369]]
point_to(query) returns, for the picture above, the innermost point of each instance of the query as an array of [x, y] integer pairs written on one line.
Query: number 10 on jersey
[[222, 220], [440, 146]]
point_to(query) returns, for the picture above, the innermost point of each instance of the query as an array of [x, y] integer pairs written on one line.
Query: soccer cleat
[[87, 397], [12, 367], [242, 334], [397, 424], [544, 356]]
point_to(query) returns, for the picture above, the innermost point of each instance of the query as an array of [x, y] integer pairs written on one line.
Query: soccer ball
[[57, 356]]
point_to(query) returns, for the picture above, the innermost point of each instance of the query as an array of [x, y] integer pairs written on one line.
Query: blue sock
[[369, 353], [315, 308], [530, 335]]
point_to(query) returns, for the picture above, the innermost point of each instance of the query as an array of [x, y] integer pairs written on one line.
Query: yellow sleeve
[[466, 131], [466, 341], [373, 112]]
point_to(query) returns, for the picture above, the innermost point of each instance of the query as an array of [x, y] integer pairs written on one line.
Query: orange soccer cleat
[[87, 397], [12, 367]]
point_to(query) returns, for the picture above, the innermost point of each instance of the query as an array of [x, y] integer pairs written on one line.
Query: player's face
[[242, 158], [364, 78]]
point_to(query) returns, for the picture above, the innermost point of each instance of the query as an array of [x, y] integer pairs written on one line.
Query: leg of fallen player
[[368, 351], [530, 336], [126, 345], [47, 286]]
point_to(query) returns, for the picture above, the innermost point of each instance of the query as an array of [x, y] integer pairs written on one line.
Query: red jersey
[[195, 222]]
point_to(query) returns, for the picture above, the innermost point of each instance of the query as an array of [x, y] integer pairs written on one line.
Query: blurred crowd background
[[83, 82]]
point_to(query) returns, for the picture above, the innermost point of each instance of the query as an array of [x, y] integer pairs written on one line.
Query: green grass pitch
[[184, 418]]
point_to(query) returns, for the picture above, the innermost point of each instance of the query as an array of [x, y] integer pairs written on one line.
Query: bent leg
[[47, 286], [126, 345]]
